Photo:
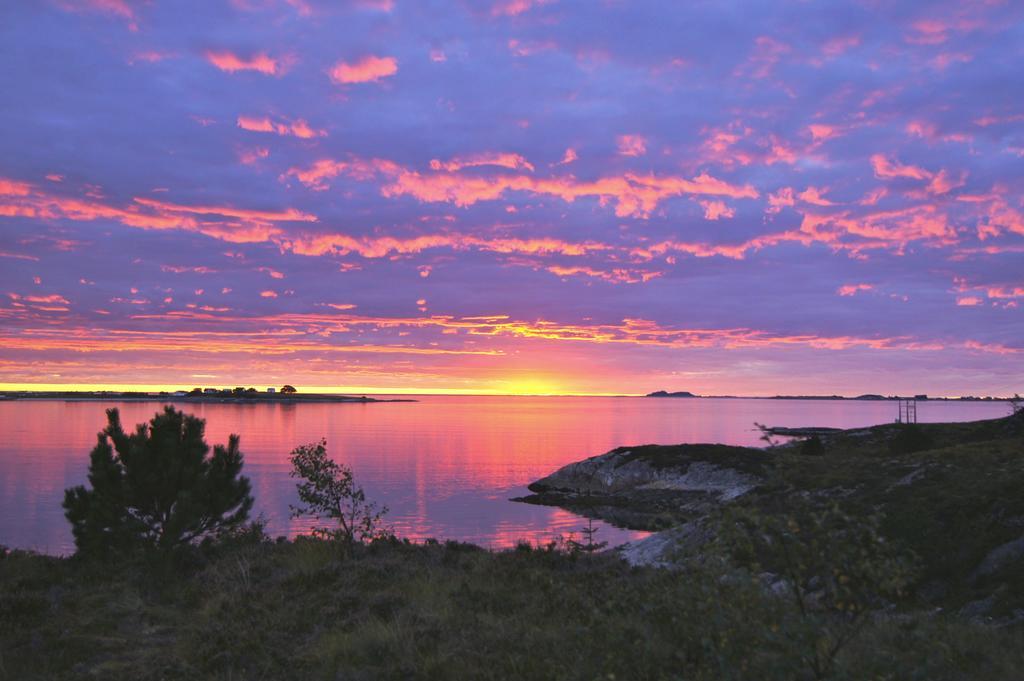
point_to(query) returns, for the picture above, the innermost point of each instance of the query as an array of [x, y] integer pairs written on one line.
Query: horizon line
[[368, 390]]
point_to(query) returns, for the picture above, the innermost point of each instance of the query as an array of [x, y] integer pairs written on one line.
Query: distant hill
[[662, 393]]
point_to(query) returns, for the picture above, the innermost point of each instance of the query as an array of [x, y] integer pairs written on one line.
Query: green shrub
[[833, 569], [812, 446], [910, 438]]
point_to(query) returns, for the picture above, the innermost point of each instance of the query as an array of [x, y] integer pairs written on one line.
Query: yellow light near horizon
[[532, 386]]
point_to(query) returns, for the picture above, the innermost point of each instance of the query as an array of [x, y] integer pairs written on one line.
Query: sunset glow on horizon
[[532, 197]]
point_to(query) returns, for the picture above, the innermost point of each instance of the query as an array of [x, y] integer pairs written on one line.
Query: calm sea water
[[445, 466]]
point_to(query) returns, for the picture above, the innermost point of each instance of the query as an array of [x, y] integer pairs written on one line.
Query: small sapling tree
[[588, 545], [157, 487], [767, 435], [327, 491]]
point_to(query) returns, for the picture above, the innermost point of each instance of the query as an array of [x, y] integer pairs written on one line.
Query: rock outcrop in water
[[949, 493], [653, 486]]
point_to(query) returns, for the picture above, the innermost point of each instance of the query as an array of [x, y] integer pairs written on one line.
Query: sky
[[513, 196]]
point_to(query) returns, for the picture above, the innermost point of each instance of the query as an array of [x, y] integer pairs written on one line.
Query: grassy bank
[[254, 609]]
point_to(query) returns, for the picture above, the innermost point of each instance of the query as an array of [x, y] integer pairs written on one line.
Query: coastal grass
[[250, 608], [951, 504]]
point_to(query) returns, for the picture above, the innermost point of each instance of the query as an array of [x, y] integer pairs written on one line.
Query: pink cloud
[[634, 195], [13, 188], [250, 156], [289, 215], [780, 199], [821, 132], [149, 57], [853, 289], [887, 169], [369, 69], [968, 301], [522, 48], [715, 210], [1005, 292], [815, 197], [231, 63], [619, 275], [942, 183], [837, 46], [632, 145], [986, 121], [946, 59], [119, 8], [513, 8], [718, 147], [376, 5], [297, 128], [766, 54], [568, 157], [928, 32], [502, 160]]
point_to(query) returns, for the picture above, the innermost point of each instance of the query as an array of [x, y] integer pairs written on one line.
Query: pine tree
[[157, 487]]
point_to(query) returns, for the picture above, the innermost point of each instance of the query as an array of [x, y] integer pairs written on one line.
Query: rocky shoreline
[[946, 492]]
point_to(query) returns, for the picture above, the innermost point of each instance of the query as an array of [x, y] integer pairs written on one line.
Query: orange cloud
[[366, 70], [297, 128], [230, 62]]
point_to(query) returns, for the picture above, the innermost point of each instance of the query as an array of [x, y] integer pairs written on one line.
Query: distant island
[[285, 395], [863, 398]]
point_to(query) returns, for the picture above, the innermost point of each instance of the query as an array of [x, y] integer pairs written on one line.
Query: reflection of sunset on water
[[444, 465]]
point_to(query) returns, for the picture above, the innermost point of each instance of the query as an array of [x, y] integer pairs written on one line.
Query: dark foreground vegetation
[[248, 608], [810, 575]]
